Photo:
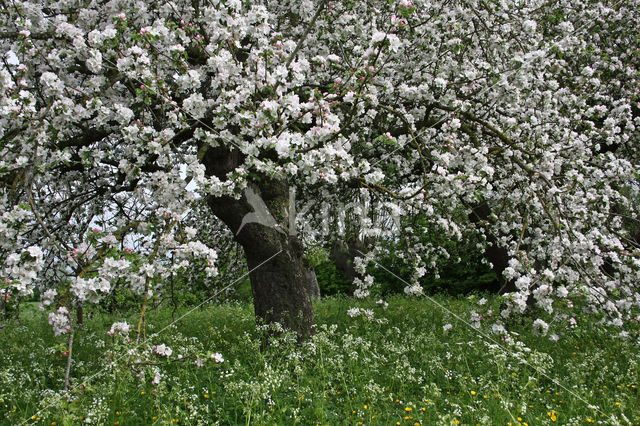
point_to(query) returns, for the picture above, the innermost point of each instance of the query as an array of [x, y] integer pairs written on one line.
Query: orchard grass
[[354, 371]]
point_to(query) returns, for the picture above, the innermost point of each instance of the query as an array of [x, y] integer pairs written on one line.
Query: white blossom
[[540, 326], [163, 350]]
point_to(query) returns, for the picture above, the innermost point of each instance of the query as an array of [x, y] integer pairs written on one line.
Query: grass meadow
[[404, 366]]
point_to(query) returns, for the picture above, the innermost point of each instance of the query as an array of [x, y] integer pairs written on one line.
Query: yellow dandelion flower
[[206, 396], [618, 403], [408, 409], [473, 392]]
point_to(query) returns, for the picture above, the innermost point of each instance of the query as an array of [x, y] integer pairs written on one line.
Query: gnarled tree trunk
[[278, 272]]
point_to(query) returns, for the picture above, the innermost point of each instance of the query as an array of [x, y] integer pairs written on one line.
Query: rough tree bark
[[312, 282], [279, 286]]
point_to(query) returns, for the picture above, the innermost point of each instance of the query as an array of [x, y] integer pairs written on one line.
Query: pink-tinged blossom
[[60, 321], [156, 379], [163, 350], [217, 358], [119, 328]]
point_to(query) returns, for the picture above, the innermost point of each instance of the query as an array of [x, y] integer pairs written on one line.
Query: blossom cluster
[[60, 321], [119, 328]]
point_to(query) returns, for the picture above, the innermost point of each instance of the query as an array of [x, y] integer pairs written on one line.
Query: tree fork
[[280, 293], [279, 287]]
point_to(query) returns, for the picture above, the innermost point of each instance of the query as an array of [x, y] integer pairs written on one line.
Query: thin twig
[[306, 33]]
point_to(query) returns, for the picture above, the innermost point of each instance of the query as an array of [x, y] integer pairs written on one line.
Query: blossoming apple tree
[[515, 121]]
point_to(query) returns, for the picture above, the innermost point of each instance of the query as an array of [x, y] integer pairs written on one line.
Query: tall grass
[[401, 367]]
